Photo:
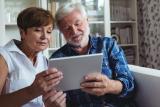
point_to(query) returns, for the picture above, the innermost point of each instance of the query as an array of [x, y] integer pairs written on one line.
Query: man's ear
[[87, 19]]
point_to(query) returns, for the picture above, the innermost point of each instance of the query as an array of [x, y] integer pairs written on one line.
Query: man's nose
[[74, 29]]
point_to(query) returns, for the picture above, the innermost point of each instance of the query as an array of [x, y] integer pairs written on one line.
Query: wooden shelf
[[127, 45], [96, 22], [52, 49], [11, 24], [121, 22]]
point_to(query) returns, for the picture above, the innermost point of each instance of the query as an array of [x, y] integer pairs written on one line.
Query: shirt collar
[[92, 42], [11, 46]]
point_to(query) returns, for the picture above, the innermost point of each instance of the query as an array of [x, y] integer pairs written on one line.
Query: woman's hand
[[46, 81], [54, 98]]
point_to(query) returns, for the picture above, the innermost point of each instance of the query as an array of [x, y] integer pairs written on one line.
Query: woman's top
[[21, 70]]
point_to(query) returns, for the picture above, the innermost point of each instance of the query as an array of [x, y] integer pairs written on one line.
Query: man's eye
[[78, 24], [66, 28]]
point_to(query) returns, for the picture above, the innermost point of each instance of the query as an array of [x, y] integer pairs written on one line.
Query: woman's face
[[37, 38]]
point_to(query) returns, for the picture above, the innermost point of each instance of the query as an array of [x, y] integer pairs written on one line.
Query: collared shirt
[[21, 70], [114, 66]]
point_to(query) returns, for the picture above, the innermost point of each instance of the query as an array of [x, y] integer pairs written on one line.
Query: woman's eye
[[38, 29], [49, 32]]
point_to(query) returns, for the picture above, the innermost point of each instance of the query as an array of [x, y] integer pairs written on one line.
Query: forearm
[[18, 98], [115, 87]]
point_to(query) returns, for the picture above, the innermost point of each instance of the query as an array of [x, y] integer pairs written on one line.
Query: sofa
[[147, 86]]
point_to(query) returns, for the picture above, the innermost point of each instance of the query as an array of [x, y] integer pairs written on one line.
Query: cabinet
[[123, 26], [9, 10], [114, 18]]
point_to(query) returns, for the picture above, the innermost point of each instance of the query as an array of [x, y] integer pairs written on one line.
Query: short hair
[[34, 17], [67, 8]]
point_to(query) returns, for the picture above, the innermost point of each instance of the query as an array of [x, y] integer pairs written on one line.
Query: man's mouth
[[77, 38]]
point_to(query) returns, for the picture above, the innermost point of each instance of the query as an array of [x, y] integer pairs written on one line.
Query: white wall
[[2, 27], [2, 12]]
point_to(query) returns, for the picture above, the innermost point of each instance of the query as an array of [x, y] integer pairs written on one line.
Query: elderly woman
[[24, 75]]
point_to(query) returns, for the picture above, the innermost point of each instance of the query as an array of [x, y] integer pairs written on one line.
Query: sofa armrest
[[148, 86]]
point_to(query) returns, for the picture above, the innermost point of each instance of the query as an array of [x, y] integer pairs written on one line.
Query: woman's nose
[[43, 35]]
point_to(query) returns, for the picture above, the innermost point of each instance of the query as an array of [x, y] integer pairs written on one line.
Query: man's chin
[[74, 45]]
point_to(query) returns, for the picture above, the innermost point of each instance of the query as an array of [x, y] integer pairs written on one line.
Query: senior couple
[[26, 81]]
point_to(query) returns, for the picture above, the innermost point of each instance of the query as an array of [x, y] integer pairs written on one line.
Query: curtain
[[149, 32]]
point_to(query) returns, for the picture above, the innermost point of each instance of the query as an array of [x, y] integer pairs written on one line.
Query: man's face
[[75, 29]]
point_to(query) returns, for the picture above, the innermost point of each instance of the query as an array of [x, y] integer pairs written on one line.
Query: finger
[[49, 71], [92, 85], [63, 102], [61, 98], [49, 94], [53, 97], [53, 76], [52, 70], [53, 81], [51, 86], [93, 77]]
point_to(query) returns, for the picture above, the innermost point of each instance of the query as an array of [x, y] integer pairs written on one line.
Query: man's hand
[[99, 84], [54, 99]]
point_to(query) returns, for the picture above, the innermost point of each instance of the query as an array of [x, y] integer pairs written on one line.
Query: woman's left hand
[[54, 98]]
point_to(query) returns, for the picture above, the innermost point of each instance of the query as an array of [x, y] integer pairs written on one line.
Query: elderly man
[[115, 83]]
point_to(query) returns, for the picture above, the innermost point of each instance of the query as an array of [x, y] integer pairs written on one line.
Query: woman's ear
[[22, 33]]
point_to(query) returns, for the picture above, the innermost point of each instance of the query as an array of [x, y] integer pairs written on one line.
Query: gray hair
[[67, 8]]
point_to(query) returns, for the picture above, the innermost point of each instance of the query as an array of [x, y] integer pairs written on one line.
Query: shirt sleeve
[[120, 68]]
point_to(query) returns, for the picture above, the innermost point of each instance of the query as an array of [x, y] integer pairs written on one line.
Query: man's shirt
[[114, 66]]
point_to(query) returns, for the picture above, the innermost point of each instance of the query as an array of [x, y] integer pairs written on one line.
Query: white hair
[[67, 8]]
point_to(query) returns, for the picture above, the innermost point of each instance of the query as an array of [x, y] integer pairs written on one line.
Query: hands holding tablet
[[46, 80], [45, 83], [99, 84]]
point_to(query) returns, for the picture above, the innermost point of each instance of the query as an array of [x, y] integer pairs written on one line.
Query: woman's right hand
[[46, 81]]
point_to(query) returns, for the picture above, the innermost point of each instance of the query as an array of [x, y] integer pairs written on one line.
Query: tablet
[[74, 68]]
